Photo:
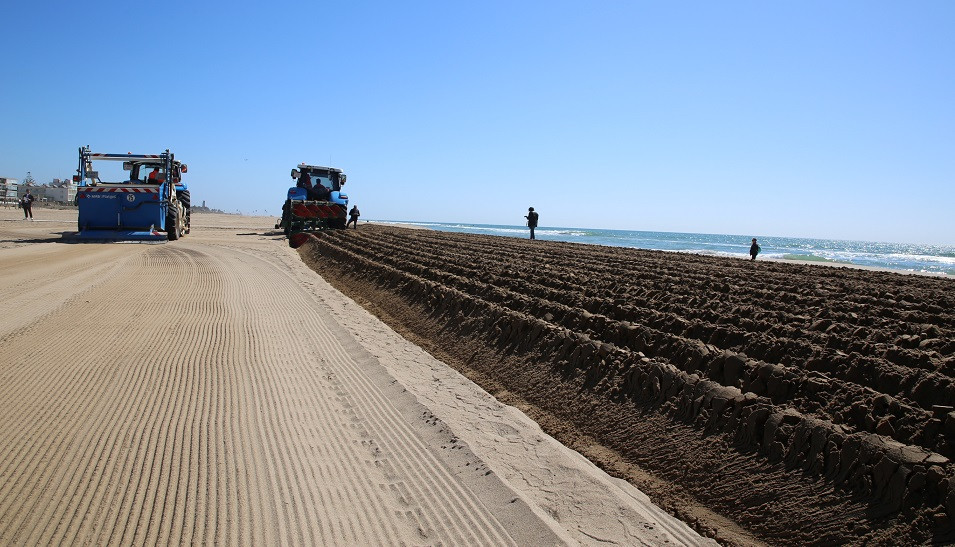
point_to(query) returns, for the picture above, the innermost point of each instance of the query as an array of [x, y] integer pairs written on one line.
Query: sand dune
[[217, 390]]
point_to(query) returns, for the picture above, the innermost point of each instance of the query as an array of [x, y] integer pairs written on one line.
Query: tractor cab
[[154, 172]]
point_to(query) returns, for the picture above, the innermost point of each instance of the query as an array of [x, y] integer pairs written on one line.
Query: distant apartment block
[[59, 191], [63, 191], [9, 189]]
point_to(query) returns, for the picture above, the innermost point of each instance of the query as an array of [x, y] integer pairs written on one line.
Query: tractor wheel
[[184, 198], [172, 223], [286, 222]]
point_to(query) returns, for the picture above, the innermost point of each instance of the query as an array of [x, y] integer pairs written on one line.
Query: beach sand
[[217, 390], [759, 401]]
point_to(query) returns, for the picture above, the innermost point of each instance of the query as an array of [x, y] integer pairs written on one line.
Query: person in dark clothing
[[353, 216], [27, 204], [531, 217], [318, 192], [304, 182], [754, 249]]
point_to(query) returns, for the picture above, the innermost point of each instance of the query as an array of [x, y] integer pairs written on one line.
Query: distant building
[[60, 191], [9, 189]]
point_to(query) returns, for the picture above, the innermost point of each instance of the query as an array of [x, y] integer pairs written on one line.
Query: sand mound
[[803, 404]]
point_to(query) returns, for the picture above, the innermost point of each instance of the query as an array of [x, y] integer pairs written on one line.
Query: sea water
[[935, 259]]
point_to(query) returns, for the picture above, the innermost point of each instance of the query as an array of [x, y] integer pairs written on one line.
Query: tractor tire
[[172, 222], [184, 198], [286, 221]]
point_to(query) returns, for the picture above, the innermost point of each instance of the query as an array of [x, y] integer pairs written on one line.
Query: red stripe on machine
[[124, 190]]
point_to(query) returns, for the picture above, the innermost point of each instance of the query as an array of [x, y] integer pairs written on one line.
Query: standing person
[[353, 216], [754, 249], [531, 217], [27, 203]]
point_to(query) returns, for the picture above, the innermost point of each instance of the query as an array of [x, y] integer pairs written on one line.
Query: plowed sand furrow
[[385, 420], [154, 422], [446, 498], [204, 529], [277, 395], [170, 521], [328, 463], [107, 449], [27, 263], [335, 458], [72, 404], [373, 405], [179, 458], [324, 346], [285, 476], [818, 388], [520, 304], [146, 445], [84, 482], [53, 472], [200, 453], [219, 509], [275, 487], [39, 296], [611, 273], [159, 485]]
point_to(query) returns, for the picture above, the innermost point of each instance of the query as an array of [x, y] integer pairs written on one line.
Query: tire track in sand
[[363, 406]]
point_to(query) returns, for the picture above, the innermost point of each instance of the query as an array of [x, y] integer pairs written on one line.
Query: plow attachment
[[303, 217]]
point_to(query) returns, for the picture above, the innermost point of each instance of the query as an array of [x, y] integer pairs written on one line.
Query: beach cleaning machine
[[151, 203], [315, 203]]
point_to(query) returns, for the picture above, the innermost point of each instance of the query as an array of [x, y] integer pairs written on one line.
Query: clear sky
[[811, 118]]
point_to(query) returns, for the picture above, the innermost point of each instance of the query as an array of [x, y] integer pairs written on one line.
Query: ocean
[[933, 259]]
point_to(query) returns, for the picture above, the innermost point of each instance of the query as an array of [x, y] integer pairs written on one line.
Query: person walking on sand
[[531, 217], [27, 203], [353, 216], [754, 249]]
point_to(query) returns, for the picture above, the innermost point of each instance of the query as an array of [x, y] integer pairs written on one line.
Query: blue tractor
[[316, 202], [145, 201]]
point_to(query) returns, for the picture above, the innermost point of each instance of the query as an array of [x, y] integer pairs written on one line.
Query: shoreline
[[67, 215], [828, 263]]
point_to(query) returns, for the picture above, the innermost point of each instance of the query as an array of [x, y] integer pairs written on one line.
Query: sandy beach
[[219, 390], [760, 401]]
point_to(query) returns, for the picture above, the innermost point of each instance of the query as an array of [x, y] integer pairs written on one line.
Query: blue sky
[[812, 119]]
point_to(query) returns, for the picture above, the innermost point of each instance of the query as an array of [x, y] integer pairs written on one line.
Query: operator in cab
[[319, 192]]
